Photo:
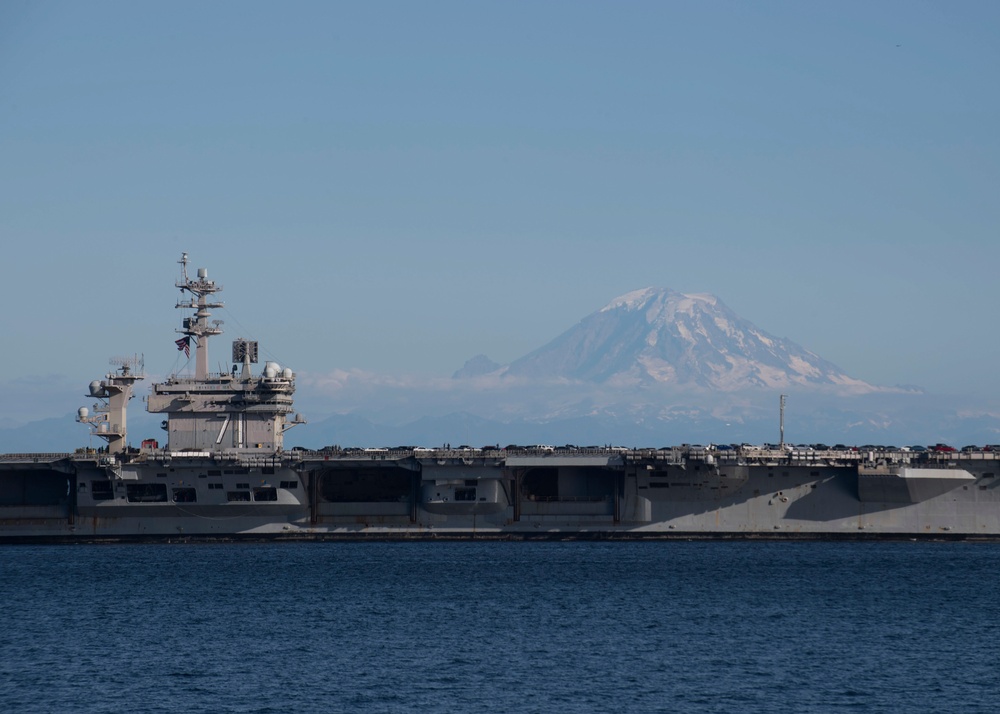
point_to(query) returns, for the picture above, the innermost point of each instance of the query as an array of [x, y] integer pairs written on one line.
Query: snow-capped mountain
[[660, 336]]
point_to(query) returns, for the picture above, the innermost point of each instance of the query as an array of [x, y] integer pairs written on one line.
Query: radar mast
[[198, 327]]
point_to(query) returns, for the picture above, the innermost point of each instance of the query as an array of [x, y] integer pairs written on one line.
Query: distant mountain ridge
[[652, 367], [476, 367], [663, 337]]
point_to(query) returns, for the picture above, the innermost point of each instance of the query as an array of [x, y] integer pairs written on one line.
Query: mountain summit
[[660, 336]]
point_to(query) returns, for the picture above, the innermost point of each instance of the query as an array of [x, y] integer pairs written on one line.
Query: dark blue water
[[526, 627]]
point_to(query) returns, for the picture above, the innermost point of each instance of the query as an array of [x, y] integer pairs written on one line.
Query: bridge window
[[101, 490], [146, 492], [265, 493], [185, 495]]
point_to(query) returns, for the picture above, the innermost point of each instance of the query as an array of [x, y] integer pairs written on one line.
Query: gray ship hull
[[518, 494]]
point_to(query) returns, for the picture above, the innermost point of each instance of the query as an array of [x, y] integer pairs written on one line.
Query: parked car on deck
[[943, 448]]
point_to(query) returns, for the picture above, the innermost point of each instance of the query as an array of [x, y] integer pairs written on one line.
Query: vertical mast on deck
[[197, 327], [781, 422]]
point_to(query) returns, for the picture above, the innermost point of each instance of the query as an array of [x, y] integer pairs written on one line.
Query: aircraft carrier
[[223, 473]]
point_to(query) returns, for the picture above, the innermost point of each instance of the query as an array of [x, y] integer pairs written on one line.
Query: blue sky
[[398, 186]]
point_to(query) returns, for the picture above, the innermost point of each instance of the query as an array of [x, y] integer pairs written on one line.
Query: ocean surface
[[501, 627]]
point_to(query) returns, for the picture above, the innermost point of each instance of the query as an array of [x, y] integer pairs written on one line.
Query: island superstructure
[[223, 472], [233, 410]]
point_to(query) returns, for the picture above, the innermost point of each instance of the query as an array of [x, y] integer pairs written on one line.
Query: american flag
[[184, 344]]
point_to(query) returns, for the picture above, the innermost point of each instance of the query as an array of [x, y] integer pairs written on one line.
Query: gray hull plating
[[638, 494]]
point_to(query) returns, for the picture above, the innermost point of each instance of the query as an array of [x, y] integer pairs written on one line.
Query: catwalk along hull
[[502, 494]]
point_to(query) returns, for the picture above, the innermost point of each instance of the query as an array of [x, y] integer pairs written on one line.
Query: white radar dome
[[95, 388], [82, 413], [287, 373]]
